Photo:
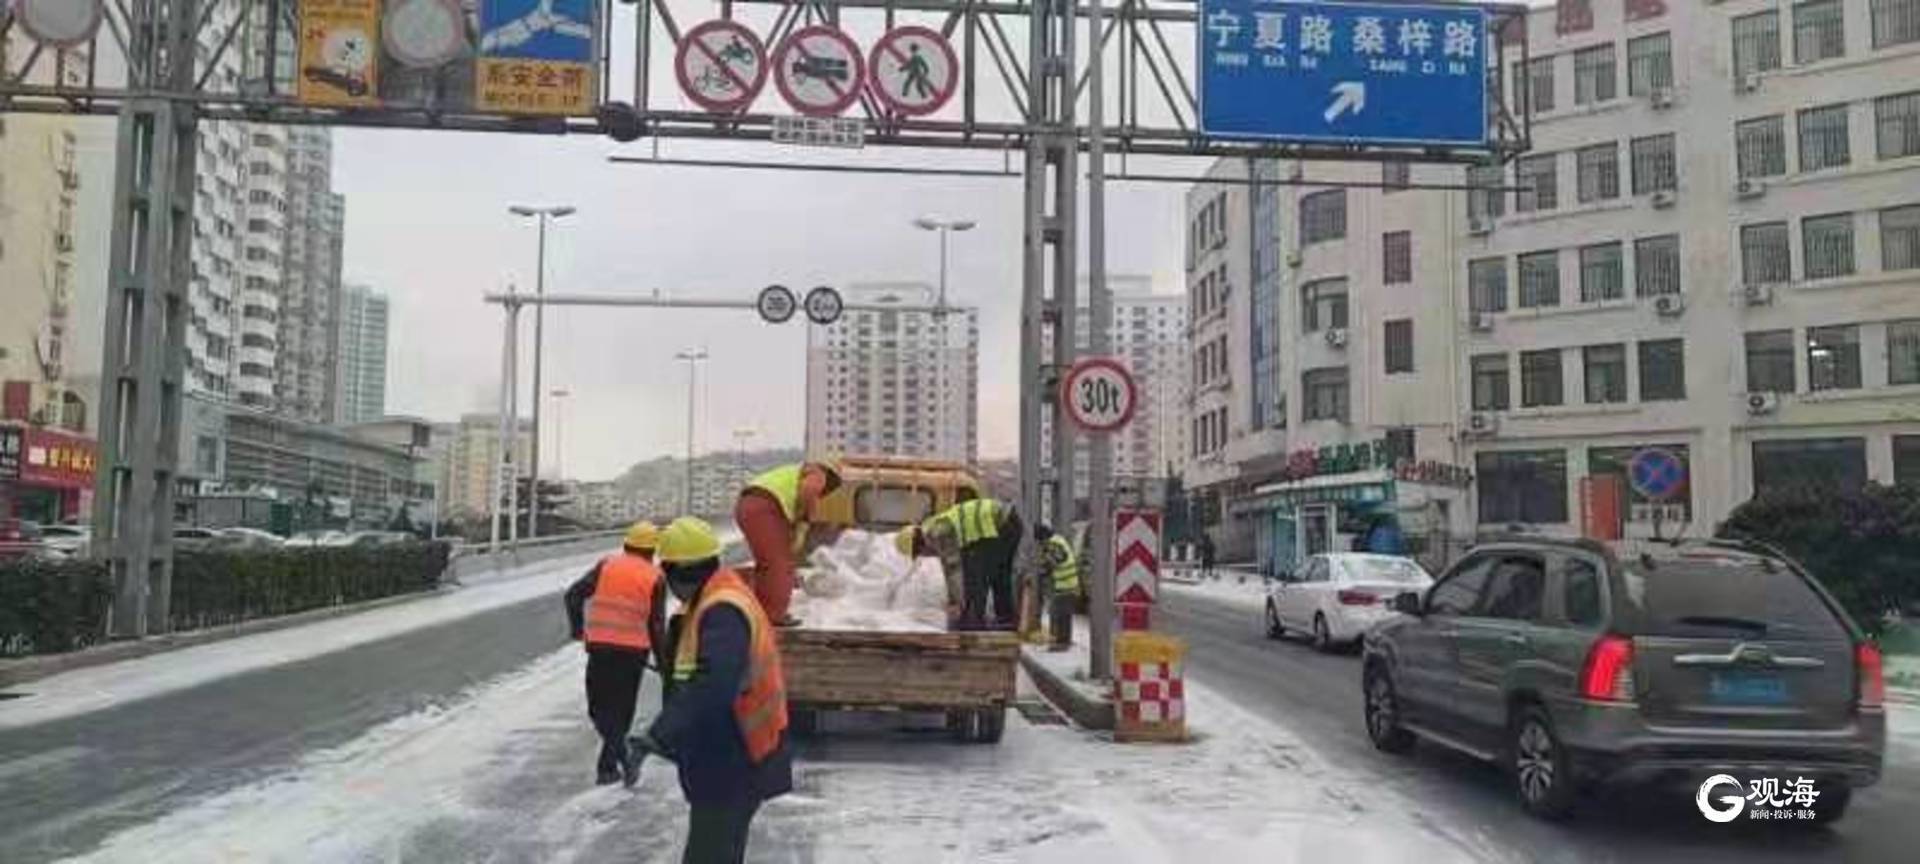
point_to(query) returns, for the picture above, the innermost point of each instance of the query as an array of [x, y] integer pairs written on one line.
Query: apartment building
[[895, 383], [1713, 250], [306, 372], [471, 461], [361, 350]]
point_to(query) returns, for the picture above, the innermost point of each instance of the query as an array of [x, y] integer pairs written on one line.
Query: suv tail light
[[1350, 597], [1608, 675], [1870, 682]]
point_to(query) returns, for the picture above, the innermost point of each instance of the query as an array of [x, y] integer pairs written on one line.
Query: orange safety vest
[[622, 602], [760, 709]]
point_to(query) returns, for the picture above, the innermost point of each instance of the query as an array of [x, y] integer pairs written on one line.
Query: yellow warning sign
[[339, 53], [526, 86]]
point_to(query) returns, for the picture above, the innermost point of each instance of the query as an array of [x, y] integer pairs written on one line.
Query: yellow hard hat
[[686, 540], [642, 535], [903, 541]]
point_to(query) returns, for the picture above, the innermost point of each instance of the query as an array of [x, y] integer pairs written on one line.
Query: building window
[[1395, 176], [1896, 123], [1540, 279], [1827, 244], [1823, 138], [1522, 486], [1396, 257], [1663, 370], [1593, 74], [1839, 463], [1600, 273], [1539, 181], [1606, 373], [1491, 388], [1597, 172], [1903, 352], [1534, 84], [1764, 253], [1486, 200], [1649, 64], [1541, 384], [1326, 392], [1833, 358], [1818, 31], [1900, 238], [1653, 164], [1323, 304], [1760, 146], [1400, 443], [1756, 42], [1487, 284], [1656, 265], [1906, 458], [1895, 22], [1399, 342], [1323, 216], [1770, 362]]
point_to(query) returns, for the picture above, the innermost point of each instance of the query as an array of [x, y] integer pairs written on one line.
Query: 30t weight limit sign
[[1100, 395]]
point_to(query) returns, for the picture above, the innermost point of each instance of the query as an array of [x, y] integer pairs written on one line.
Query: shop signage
[[53, 459], [11, 446], [1370, 456]]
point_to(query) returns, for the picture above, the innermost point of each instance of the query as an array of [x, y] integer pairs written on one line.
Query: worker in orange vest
[[772, 513], [617, 611], [724, 722]]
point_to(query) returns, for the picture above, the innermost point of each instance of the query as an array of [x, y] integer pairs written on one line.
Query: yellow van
[[882, 493]]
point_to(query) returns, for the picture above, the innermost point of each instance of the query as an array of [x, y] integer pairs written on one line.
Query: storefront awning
[[1358, 486]]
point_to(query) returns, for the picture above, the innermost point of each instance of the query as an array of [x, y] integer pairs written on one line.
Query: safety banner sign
[[537, 57], [339, 53]]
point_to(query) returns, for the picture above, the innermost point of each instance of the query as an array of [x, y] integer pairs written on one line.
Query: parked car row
[[25, 538], [1576, 664]]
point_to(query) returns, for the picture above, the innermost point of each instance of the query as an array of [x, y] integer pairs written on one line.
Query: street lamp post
[[544, 215], [559, 431], [945, 227], [692, 358]]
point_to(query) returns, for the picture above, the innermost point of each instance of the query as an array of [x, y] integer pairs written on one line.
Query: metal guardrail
[[473, 560]]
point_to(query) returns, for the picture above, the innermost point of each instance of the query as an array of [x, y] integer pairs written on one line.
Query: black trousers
[[613, 690], [1060, 617], [987, 567], [718, 835]]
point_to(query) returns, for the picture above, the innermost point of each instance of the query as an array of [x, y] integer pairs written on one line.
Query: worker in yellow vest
[[980, 539], [1063, 569], [617, 611], [724, 721], [772, 513]]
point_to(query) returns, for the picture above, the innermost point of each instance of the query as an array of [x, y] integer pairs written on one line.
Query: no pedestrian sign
[[818, 71], [1348, 73], [721, 66], [914, 71], [1100, 394]]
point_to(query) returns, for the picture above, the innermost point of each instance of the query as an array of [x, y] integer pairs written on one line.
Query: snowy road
[[1319, 696]]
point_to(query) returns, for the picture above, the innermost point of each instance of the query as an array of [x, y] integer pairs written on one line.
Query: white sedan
[[1335, 597]]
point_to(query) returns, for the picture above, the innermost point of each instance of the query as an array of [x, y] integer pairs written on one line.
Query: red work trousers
[[770, 537]]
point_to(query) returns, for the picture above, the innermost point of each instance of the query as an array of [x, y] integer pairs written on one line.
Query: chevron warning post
[[1136, 565]]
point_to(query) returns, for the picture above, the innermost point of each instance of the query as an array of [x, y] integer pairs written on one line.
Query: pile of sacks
[[861, 582]]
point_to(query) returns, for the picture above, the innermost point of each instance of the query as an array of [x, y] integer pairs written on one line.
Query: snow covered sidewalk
[[83, 690], [1243, 590]]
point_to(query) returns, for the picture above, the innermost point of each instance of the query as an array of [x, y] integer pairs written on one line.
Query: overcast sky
[[427, 222]]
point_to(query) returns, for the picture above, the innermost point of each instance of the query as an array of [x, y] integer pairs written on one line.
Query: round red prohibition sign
[[1100, 394], [721, 66], [913, 70], [818, 71]]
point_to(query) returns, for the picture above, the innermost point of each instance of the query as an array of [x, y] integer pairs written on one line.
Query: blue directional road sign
[[1656, 474], [1348, 73]]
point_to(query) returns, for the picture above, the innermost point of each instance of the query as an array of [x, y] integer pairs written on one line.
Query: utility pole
[[1048, 232], [692, 358], [543, 215], [505, 475], [1099, 319]]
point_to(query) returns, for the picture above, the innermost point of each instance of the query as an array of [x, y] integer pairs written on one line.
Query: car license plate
[[1747, 688]]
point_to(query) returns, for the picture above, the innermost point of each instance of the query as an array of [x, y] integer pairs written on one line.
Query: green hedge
[[47, 607], [223, 587]]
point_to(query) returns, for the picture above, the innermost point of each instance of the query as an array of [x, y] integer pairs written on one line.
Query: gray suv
[[1575, 665]]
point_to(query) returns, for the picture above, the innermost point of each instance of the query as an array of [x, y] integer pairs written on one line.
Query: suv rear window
[[1728, 599]]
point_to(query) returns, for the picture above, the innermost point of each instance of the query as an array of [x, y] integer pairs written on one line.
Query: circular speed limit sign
[[1100, 394], [775, 304]]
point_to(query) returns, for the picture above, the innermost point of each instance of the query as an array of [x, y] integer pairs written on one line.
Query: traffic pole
[[1099, 318]]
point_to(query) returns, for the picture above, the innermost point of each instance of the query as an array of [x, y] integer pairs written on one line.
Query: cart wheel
[[993, 724], [961, 723], [803, 722]]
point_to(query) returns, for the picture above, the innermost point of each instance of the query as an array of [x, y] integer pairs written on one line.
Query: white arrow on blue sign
[[1349, 73]]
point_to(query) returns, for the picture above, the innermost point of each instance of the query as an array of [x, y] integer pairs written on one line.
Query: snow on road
[[1245, 591], [502, 774], [83, 690]]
